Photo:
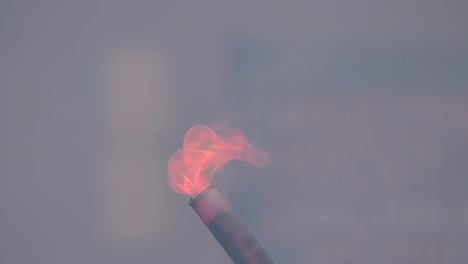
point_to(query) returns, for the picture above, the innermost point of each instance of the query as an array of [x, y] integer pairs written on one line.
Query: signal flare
[[191, 172]]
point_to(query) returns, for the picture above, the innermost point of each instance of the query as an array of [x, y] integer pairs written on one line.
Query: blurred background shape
[[136, 98]]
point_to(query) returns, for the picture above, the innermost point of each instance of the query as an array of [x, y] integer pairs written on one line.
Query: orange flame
[[204, 153]]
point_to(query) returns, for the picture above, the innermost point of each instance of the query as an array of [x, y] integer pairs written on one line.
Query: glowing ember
[[205, 152]]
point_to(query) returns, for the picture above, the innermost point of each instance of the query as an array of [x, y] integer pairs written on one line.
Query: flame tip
[[204, 153]]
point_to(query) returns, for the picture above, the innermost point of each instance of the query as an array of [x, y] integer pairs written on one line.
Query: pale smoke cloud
[[369, 168]]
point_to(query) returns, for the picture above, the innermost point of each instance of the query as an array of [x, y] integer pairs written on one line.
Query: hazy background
[[362, 105]]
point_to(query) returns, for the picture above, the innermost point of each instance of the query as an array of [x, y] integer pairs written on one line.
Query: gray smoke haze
[[363, 107]]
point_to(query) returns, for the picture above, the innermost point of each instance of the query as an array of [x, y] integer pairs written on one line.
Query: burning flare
[[204, 153]]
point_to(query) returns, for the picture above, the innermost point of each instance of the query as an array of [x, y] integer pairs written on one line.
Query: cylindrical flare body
[[238, 242]]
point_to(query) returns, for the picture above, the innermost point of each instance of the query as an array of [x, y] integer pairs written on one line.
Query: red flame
[[204, 153]]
